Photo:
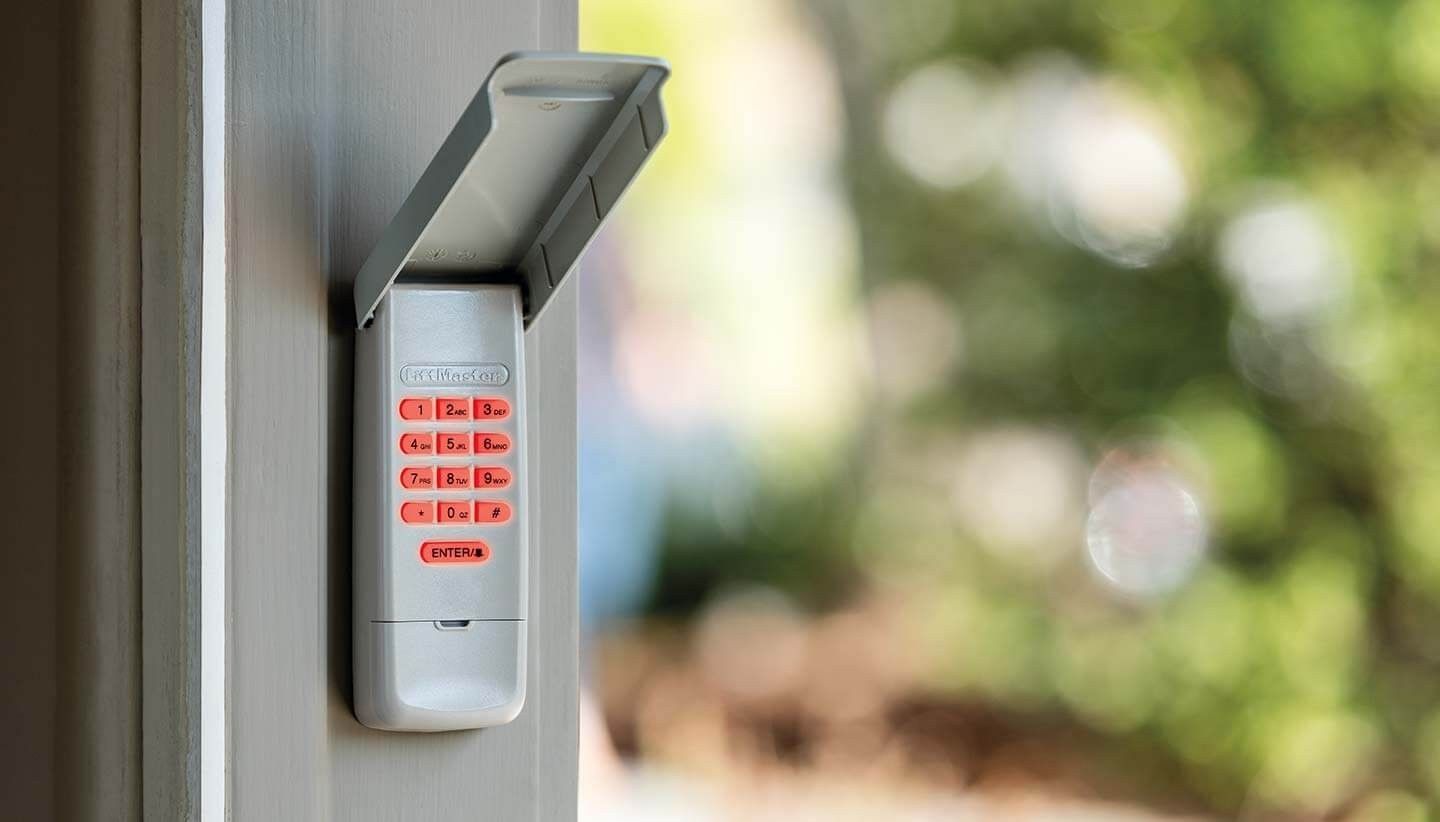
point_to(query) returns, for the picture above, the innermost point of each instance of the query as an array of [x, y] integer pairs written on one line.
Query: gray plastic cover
[[526, 178]]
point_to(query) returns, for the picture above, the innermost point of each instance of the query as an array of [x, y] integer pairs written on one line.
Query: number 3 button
[[491, 408]]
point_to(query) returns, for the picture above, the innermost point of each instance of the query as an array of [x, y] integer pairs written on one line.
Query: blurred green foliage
[[1297, 670]]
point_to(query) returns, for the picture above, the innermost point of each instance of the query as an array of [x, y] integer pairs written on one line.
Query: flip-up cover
[[525, 179]]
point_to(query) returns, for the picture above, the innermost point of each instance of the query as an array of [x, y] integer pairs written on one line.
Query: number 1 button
[[415, 408]]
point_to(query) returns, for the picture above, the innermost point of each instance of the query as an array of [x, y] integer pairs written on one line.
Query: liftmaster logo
[[467, 373]]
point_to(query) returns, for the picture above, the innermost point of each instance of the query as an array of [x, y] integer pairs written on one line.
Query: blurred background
[[1018, 409]]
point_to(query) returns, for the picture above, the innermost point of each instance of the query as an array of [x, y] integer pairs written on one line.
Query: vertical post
[[94, 336], [30, 38], [335, 106]]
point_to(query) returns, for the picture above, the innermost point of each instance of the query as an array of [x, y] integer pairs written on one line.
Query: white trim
[[214, 433]]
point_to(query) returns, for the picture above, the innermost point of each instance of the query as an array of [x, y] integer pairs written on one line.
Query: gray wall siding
[[335, 107]]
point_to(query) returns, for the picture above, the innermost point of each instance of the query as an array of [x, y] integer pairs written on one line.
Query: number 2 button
[[448, 408]]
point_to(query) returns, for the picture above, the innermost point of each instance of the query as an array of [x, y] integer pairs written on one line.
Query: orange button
[[452, 408], [417, 442], [458, 443], [454, 511], [491, 511], [453, 477], [416, 408], [491, 408], [487, 443], [418, 478], [491, 476], [452, 551], [414, 512]]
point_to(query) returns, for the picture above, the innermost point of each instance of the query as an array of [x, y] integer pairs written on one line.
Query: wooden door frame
[[99, 329]]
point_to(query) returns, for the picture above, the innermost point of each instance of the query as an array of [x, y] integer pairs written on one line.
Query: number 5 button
[[458, 443]]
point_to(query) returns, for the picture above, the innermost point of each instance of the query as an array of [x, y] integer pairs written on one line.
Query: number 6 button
[[489, 443]]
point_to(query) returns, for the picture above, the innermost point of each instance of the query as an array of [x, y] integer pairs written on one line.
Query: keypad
[[452, 448]]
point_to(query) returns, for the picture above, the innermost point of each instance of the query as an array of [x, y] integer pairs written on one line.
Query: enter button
[[449, 552]]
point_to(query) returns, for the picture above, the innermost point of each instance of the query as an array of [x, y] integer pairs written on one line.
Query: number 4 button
[[417, 442]]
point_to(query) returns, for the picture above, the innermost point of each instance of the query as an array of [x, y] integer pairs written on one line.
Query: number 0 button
[[456, 511], [491, 408]]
